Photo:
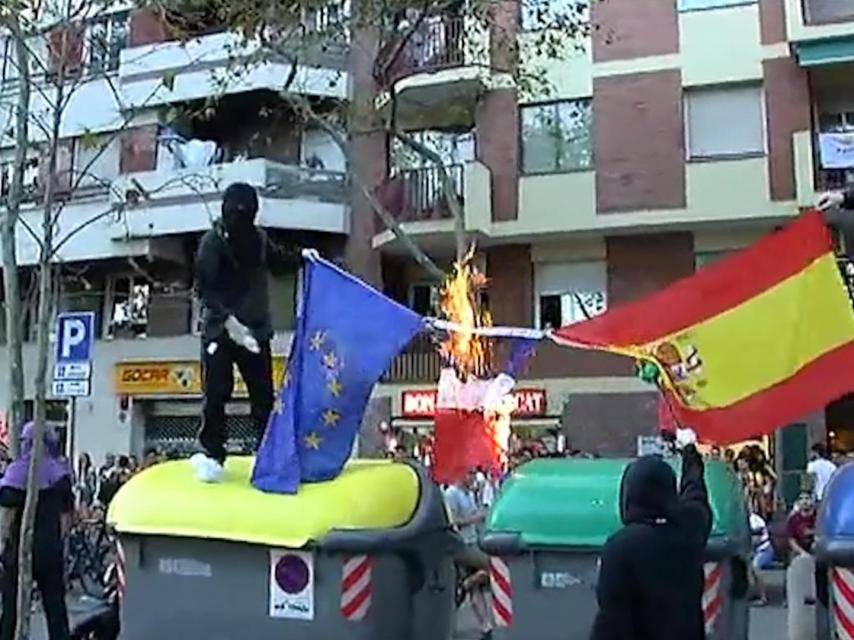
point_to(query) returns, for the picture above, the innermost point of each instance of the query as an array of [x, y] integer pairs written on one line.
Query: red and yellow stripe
[[748, 344]]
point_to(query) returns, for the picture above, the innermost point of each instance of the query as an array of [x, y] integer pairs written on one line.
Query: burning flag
[[473, 409]]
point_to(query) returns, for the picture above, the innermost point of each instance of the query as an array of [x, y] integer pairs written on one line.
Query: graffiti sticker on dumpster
[[291, 585]]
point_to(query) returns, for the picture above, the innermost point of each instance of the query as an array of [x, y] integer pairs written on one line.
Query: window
[[836, 122], [556, 137], [454, 148], [693, 5], [725, 122], [569, 292], [535, 14], [424, 299], [105, 38], [96, 161], [127, 305]]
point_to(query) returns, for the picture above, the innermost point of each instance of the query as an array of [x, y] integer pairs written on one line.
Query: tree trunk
[[8, 222], [45, 318]]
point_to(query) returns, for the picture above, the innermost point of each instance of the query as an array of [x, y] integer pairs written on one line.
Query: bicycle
[[89, 550]]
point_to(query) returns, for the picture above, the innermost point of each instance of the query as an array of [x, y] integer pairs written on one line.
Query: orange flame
[[460, 303]]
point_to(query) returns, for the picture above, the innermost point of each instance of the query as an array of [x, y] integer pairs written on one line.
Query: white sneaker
[[207, 469]]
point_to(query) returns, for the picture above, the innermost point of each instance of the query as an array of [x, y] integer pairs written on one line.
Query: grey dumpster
[[834, 554], [364, 557], [546, 531]]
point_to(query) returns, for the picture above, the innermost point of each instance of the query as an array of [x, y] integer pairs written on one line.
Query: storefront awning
[[823, 52]]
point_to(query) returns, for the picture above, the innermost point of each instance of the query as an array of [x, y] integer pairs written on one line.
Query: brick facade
[[146, 27], [787, 100], [368, 144], [639, 142], [139, 149], [772, 21], [609, 423], [497, 121], [624, 29]]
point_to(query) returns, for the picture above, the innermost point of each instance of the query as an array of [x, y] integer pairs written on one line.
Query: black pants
[[48, 574], [218, 385]]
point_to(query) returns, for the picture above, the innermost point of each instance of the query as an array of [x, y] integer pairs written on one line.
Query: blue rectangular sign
[[75, 335]]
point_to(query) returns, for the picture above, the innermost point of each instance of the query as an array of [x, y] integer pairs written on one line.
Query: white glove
[[684, 437], [829, 200], [240, 335], [311, 255]]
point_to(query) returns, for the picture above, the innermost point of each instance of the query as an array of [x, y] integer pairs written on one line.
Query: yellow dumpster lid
[[168, 500]]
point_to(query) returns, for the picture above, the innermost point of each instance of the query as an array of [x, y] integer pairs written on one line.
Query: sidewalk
[[766, 623], [77, 606]]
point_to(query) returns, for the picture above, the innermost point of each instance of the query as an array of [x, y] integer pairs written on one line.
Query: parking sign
[[75, 333], [74, 336]]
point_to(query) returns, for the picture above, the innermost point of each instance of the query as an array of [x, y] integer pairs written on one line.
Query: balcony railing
[[419, 362], [414, 195], [439, 43], [818, 12], [272, 178]]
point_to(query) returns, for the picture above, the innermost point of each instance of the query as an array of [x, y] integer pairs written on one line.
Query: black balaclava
[[239, 208], [648, 491]]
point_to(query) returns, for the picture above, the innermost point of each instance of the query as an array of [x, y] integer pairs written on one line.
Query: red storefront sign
[[530, 403]]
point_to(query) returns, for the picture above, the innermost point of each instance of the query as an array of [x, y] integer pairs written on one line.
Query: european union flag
[[346, 336]]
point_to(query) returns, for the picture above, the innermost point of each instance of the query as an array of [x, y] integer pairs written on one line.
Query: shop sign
[[174, 378], [421, 403]]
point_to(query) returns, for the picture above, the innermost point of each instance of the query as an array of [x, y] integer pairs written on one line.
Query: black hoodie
[[651, 579]]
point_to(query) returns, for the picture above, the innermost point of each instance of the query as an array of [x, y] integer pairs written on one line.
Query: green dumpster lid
[[574, 503]]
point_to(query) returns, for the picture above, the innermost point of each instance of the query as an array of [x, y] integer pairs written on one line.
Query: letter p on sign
[[74, 337]]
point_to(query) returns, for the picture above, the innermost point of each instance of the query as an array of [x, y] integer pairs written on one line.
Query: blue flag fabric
[[346, 336], [521, 350]]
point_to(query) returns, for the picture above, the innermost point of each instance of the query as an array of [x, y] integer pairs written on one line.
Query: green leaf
[[168, 80]]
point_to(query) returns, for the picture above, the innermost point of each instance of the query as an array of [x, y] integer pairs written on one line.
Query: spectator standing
[[53, 512], [465, 517], [820, 469], [86, 482]]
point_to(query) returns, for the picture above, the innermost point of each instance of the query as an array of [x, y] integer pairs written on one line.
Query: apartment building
[[163, 126], [680, 131]]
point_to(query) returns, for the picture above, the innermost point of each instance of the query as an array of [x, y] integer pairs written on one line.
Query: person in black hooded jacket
[[651, 578], [231, 269]]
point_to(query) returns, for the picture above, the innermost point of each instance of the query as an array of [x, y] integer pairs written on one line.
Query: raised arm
[[693, 494]]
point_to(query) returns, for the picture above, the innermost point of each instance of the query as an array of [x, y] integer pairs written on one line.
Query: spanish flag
[[748, 344]]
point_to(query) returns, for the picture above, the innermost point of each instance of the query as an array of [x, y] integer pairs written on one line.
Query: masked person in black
[[651, 578], [232, 263]]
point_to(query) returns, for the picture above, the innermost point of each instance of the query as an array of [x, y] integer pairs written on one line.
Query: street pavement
[[766, 623]]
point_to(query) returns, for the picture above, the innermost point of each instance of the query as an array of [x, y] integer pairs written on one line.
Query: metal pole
[[70, 443]]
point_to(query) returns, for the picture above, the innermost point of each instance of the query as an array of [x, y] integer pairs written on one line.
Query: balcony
[[820, 29], [437, 76], [187, 200], [170, 72], [416, 198], [419, 362]]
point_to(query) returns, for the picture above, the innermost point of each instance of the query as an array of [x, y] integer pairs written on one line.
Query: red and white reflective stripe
[[712, 598], [502, 592], [843, 602], [121, 565], [356, 587]]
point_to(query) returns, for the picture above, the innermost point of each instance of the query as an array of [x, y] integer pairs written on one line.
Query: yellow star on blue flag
[[336, 358]]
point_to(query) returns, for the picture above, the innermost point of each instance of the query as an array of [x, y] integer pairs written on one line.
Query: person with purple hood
[[55, 505]]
